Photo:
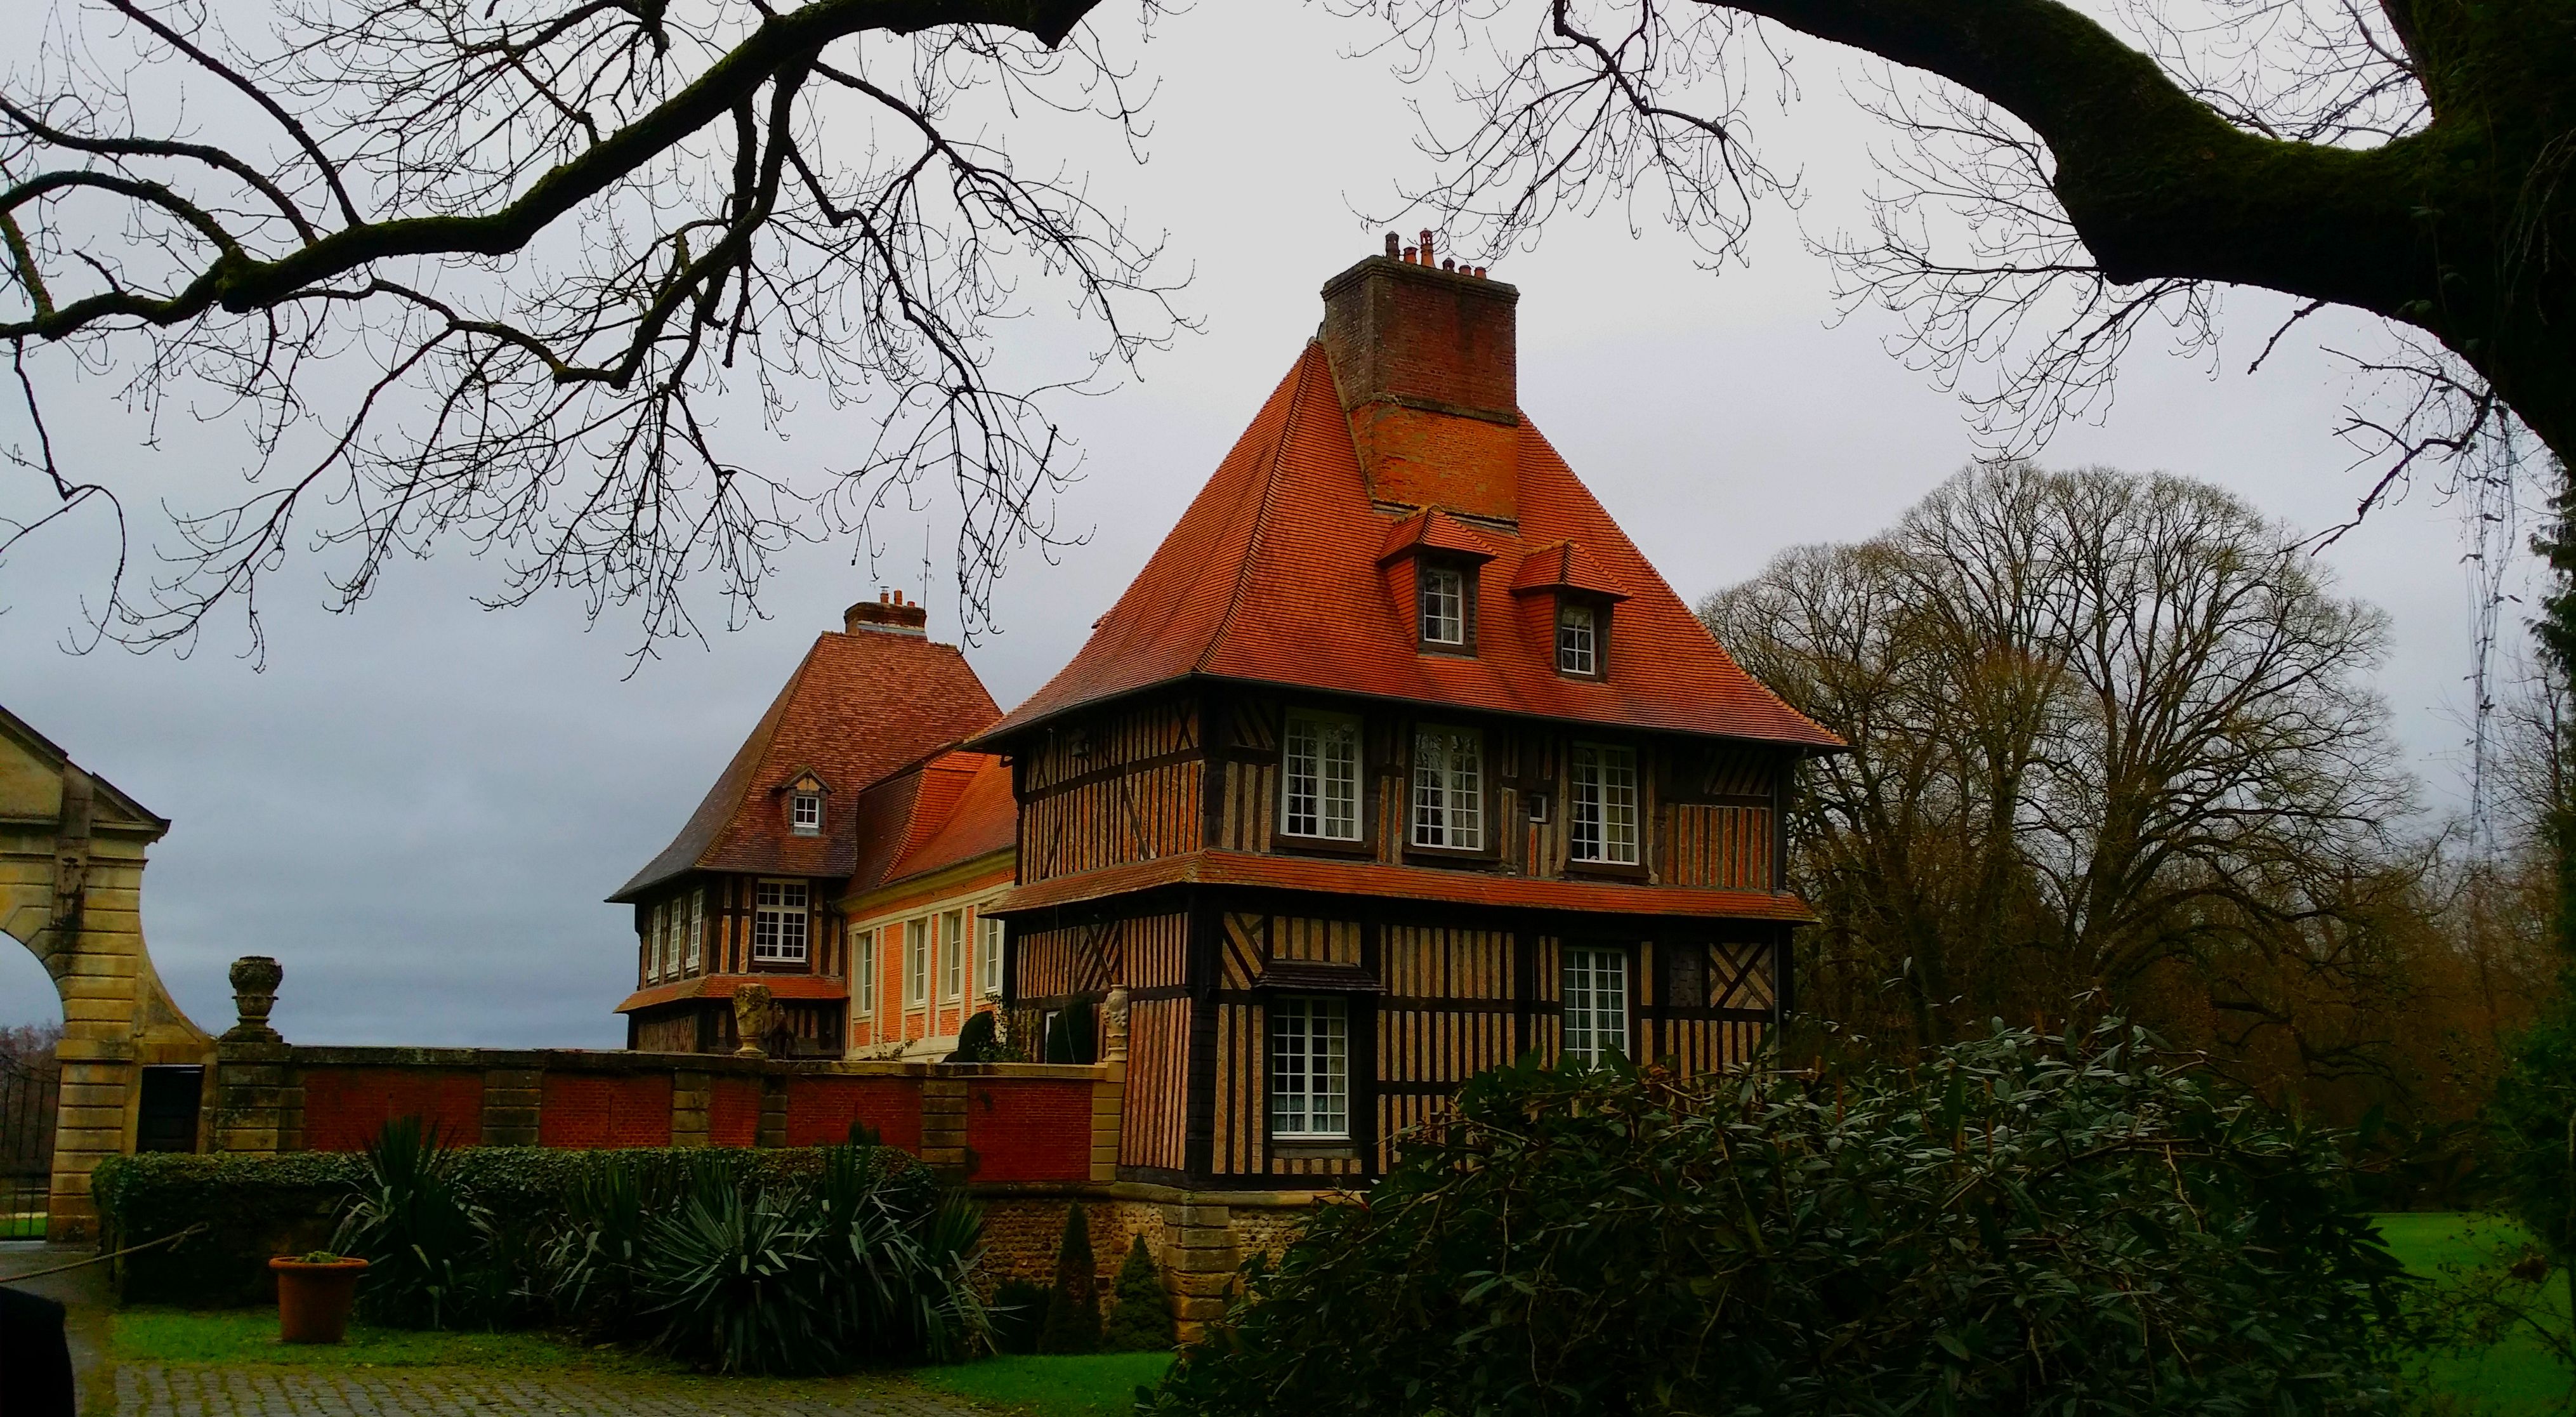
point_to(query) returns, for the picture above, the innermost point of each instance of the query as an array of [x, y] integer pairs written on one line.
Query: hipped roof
[[1272, 576], [950, 809], [859, 707]]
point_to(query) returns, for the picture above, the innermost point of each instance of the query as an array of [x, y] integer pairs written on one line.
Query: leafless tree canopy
[[496, 269], [2062, 183]]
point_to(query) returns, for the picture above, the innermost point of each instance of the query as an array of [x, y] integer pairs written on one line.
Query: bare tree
[[2105, 726], [555, 236]]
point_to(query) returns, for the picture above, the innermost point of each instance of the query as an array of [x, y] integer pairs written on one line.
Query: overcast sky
[[418, 807]]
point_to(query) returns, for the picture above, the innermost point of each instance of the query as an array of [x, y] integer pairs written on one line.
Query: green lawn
[[1091, 1385], [232, 1336], [22, 1225], [2517, 1376]]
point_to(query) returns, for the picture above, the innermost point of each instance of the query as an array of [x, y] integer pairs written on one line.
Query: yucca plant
[[737, 1282], [900, 1257], [591, 1273], [426, 1244]]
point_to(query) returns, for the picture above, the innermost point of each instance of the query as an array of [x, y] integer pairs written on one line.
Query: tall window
[[1596, 1003], [863, 965], [670, 938], [654, 925], [1578, 640], [778, 923], [1605, 804], [916, 962], [1449, 789], [1322, 796], [805, 813], [1310, 1071], [697, 930], [952, 955], [1444, 605], [988, 956]]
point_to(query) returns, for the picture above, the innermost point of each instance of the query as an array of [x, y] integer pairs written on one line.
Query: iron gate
[[30, 1096]]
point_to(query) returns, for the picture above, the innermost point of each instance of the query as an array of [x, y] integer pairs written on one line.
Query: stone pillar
[[691, 1095], [259, 1104], [943, 1122], [1109, 1092], [512, 1098], [771, 1129], [1201, 1259]]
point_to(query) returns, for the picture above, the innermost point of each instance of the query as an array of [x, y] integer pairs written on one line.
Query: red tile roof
[[1301, 873], [721, 986], [946, 810], [859, 707], [1566, 566], [1270, 576]]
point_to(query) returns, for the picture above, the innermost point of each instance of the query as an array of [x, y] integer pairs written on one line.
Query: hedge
[[254, 1207]]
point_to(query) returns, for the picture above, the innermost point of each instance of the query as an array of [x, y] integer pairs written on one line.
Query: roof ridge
[[1252, 542]]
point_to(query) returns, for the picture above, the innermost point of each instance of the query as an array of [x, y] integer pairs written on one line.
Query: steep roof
[[944, 811], [1272, 575], [860, 706]]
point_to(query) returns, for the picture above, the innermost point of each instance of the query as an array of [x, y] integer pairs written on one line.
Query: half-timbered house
[[1396, 761]]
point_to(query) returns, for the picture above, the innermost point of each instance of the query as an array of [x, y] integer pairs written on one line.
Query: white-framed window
[[1449, 788], [952, 955], [1310, 1070], [805, 813], [1596, 1002], [988, 956], [863, 979], [1320, 757], [916, 962], [1604, 816], [778, 923], [697, 948], [1578, 639], [1444, 605], [654, 924]]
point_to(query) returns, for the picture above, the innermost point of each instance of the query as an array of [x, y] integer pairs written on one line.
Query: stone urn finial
[[752, 1012], [255, 980]]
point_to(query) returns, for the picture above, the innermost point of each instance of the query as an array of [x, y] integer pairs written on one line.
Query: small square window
[[1444, 605], [805, 813]]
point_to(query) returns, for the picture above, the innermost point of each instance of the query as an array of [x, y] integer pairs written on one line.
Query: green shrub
[[430, 1252], [2020, 1225], [1142, 1322], [249, 1208], [2534, 1116], [1018, 1312], [1073, 1308], [980, 1041]]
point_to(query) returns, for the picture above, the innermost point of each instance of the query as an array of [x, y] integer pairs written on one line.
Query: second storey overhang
[[1253, 871]]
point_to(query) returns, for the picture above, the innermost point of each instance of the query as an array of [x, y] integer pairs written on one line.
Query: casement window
[[863, 964], [654, 924], [1310, 1070], [697, 948], [988, 956], [1449, 789], [1320, 796], [805, 813], [916, 963], [1578, 640], [778, 923], [952, 955], [1596, 1002], [1604, 816], [1444, 605]]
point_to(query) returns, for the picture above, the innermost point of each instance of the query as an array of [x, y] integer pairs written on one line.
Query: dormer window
[[1578, 639], [805, 813], [1444, 606]]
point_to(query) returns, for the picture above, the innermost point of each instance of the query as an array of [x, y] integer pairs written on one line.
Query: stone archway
[[71, 890]]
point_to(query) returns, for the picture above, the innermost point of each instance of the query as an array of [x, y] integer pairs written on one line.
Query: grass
[[2516, 1376], [231, 1337], [1084, 1385], [23, 1225]]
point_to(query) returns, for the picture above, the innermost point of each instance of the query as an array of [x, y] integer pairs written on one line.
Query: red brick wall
[[733, 1112], [1032, 1129], [820, 1110], [344, 1108], [605, 1110]]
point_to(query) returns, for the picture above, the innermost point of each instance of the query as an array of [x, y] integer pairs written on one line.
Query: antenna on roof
[[925, 562]]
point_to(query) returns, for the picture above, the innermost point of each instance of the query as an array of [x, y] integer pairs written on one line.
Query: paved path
[[152, 1390]]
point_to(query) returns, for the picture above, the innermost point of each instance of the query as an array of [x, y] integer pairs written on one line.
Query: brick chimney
[[888, 614], [1423, 358]]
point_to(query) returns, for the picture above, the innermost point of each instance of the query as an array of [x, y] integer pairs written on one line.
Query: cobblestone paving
[[154, 1390]]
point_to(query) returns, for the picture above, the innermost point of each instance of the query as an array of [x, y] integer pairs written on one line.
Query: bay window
[[1310, 1084], [1603, 823], [1320, 790], [1449, 789]]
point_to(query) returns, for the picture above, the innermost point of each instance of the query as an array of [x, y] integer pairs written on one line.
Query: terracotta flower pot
[[314, 1299]]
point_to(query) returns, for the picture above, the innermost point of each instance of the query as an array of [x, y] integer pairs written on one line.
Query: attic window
[[805, 813], [1444, 605], [1578, 639]]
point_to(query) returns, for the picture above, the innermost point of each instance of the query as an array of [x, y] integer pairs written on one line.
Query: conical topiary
[[1142, 1322], [1073, 1310]]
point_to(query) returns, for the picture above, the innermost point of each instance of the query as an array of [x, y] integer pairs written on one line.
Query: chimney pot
[[886, 615], [1394, 244], [1427, 258], [1449, 265]]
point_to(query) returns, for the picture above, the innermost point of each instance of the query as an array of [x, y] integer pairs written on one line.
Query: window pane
[[1576, 641], [1444, 610], [916, 961], [1448, 789], [863, 969], [988, 968], [1309, 1068], [1595, 1003], [952, 960], [1321, 767], [697, 927], [1604, 825]]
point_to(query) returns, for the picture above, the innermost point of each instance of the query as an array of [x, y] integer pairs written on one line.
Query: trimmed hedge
[[258, 1206]]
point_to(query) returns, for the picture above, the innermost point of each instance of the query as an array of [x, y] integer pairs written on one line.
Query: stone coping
[[590, 1060]]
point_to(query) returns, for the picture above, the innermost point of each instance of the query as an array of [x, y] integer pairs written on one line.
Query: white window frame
[[916, 962], [1578, 639], [1310, 1067], [654, 922], [1447, 801], [1594, 991], [773, 941], [696, 954], [1602, 817], [988, 955], [805, 813], [1319, 775], [952, 955], [1441, 603], [863, 979]]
